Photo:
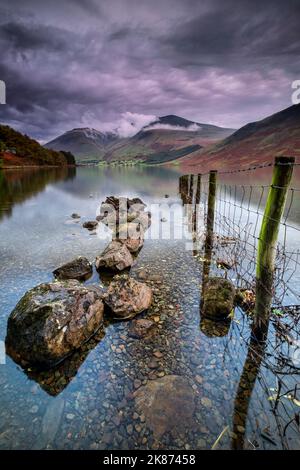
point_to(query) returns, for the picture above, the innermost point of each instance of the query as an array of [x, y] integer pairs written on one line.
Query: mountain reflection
[[16, 186]]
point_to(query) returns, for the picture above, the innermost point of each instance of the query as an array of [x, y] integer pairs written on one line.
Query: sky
[[111, 64]]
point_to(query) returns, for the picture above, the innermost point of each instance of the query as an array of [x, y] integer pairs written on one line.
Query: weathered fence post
[[191, 189], [210, 219], [196, 206], [198, 189], [267, 244], [184, 187], [212, 189]]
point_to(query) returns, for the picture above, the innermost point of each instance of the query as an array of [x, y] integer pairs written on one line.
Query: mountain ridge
[[164, 139], [256, 142]]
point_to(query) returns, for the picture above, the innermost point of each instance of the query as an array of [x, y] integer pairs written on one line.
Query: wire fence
[[275, 365]]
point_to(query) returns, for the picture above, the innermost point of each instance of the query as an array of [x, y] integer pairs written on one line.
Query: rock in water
[[90, 225], [51, 321], [142, 328], [115, 257], [131, 235], [168, 405], [219, 298], [79, 268], [127, 297]]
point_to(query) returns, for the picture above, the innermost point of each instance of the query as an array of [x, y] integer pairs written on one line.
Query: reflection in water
[[209, 327], [18, 185], [91, 393], [213, 329], [55, 380], [245, 388]]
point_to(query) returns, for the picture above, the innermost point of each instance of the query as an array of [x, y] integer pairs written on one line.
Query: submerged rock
[[51, 321], [127, 297], [80, 269], [218, 298], [115, 257], [90, 225], [142, 328], [168, 405]]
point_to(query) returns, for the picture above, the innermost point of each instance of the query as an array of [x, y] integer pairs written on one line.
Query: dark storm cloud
[[85, 63]]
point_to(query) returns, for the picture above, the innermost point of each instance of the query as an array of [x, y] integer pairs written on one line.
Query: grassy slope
[[157, 146], [255, 143]]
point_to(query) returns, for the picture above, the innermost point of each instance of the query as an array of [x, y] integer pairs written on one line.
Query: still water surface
[[88, 402]]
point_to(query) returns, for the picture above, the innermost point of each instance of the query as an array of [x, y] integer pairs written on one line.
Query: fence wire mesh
[[270, 371]]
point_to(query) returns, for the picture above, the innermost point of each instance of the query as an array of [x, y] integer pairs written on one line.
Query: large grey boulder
[[127, 297], [115, 257], [51, 321]]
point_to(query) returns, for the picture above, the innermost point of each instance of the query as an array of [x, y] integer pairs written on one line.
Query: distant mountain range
[[168, 138], [256, 143]]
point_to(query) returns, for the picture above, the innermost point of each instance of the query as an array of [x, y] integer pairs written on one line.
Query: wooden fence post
[[191, 189], [197, 201], [267, 244], [212, 189]]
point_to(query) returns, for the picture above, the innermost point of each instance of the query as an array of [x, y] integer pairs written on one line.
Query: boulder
[[127, 297], [79, 268], [168, 405], [122, 204], [130, 235], [115, 257], [51, 321], [143, 220], [90, 225], [218, 298], [142, 328], [133, 244], [117, 211]]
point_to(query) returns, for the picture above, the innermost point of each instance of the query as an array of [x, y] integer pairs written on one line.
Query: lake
[[89, 401]]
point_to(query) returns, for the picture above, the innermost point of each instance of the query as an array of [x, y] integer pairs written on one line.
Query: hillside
[[256, 143], [17, 149], [166, 139], [86, 144]]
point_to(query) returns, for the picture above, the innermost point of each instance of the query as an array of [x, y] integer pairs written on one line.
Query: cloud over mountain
[[77, 63]]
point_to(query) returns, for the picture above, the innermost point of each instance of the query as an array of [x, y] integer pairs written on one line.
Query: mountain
[[85, 143], [256, 143], [17, 149], [168, 138]]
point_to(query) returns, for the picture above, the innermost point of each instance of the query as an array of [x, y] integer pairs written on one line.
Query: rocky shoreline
[[53, 320]]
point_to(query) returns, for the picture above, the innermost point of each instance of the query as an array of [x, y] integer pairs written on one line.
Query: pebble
[[34, 409], [153, 364], [70, 416], [206, 402], [158, 354], [129, 429], [137, 383]]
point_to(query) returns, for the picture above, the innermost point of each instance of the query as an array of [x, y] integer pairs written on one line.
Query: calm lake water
[[89, 401]]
